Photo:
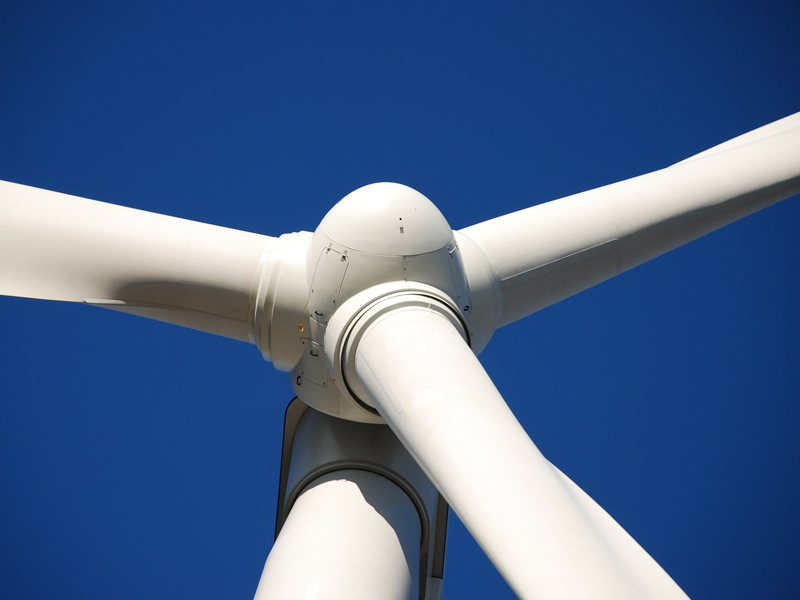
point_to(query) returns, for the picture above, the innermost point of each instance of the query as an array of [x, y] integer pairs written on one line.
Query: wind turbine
[[61, 340], [377, 317]]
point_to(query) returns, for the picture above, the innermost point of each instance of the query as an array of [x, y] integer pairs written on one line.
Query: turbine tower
[[378, 317]]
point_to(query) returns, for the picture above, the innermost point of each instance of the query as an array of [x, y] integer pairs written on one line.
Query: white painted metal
[[388, 219], [387, 232], [343, 330], [316, 444], [486, 299], [546, 253], [59, 247], [410, 362], [383, 234], [547, 538], [351, 535], [282, 292]]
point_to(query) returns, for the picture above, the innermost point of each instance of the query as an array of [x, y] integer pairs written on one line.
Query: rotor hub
[[379, 240]]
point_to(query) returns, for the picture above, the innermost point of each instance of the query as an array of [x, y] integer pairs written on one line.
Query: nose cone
[[388, 219]]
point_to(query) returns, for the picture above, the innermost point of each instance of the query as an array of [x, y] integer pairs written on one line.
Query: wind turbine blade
[[59, 247], [774, 128], [351, 534], [545, 253], [547, 538]]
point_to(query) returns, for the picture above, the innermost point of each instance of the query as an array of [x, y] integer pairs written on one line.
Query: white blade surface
[[774, 128], [351, 534], [59, 247], [547, 538], [548, 252]]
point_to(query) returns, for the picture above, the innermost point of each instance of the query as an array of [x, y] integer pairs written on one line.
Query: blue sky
[[139, 459]]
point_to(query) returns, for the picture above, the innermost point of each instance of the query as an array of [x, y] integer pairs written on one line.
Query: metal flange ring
[[342, 351]]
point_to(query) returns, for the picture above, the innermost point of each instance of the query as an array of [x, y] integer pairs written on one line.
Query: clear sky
[[139, 459]]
